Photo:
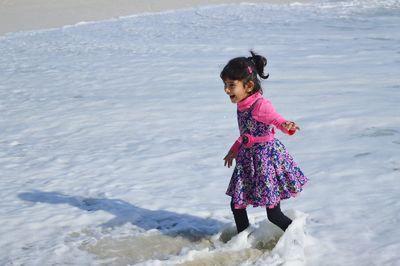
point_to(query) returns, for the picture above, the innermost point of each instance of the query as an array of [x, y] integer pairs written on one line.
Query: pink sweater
[[263, 112]]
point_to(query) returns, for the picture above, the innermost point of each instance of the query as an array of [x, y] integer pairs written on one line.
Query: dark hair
[[246, 69]]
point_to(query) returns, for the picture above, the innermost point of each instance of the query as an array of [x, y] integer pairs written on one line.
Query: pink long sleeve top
[[263, 112]]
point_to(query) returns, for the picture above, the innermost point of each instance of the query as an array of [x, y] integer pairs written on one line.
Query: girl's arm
[[235, 146], [265, 112]]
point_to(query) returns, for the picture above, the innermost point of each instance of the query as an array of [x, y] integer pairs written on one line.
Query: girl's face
[[237, 90]]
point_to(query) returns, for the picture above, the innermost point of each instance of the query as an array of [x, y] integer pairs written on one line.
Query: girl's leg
[[276, 217], [240, 216]]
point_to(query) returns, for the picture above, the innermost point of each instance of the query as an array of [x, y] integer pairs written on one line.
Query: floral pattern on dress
[[264, 173]]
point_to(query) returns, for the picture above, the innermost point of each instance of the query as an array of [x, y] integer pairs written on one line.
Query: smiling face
[[237, 90]]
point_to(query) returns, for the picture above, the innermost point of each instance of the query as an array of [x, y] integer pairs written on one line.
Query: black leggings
[[275, 215]]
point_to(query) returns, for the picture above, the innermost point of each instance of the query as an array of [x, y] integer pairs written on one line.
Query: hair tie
[[250, 70]]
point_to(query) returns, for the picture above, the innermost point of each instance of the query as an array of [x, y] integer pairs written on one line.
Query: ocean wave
[[357, 7]]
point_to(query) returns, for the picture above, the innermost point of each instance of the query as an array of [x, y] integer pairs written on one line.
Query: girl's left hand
[[290, 126]]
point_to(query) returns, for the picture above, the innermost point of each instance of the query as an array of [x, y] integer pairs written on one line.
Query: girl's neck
[[248, 101]]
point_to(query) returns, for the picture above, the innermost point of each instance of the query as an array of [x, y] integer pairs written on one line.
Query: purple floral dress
[[264, 173]]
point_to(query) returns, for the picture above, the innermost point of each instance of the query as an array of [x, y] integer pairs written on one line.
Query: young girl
[[265, 172]]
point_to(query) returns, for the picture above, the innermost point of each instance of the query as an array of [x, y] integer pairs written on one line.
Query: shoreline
[[27, 15]]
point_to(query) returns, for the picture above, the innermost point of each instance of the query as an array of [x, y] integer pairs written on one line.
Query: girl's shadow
[[168, 223]]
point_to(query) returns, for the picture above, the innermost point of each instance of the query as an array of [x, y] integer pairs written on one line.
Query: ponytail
[[260, 62]]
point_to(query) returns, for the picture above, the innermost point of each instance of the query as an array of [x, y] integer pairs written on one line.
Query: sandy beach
[[25, 15]]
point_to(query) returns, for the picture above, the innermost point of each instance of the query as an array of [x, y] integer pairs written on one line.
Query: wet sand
[[25, 15]]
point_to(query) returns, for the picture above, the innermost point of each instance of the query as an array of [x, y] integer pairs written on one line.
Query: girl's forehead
[[231, 81]]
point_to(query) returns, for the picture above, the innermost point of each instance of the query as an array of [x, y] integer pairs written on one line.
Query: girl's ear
[[249, 86]]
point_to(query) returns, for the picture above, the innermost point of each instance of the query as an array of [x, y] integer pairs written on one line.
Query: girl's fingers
[[229, 159], [228, 162], [293, 126]]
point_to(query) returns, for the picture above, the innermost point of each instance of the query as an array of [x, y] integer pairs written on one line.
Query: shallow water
[[153, 246], [130, 250]]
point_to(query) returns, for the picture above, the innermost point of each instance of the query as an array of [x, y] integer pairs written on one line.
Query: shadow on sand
[[168, 223]]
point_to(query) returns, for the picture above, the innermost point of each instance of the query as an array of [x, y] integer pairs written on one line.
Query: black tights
[[275, 215]]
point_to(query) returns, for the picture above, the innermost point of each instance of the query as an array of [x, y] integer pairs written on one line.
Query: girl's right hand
[[229, 158]]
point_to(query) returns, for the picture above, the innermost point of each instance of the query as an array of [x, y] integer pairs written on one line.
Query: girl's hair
[[246, 69]]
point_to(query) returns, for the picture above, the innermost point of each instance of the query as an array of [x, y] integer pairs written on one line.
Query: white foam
[[260, 244]]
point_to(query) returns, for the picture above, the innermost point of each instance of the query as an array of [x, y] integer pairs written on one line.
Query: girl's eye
[[229, 85]]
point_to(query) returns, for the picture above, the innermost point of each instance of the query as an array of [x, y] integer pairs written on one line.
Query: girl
[[265, 172]]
